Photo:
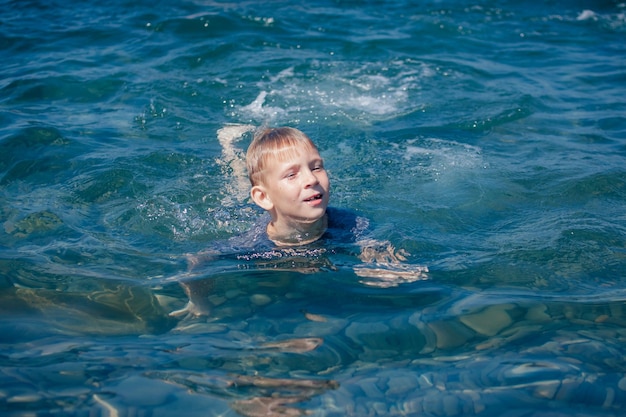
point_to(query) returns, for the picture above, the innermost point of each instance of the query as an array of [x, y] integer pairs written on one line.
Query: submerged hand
[[374, 251], [384, 267], [198, 292]]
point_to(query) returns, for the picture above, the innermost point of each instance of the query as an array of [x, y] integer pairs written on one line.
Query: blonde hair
[[271, 144]]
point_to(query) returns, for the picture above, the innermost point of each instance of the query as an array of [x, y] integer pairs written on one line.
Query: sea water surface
[[485, 140]]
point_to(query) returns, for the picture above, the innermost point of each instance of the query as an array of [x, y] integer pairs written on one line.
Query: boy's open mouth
[[315, 197]]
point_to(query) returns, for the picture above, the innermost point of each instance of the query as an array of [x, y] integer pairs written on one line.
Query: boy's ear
[[261, 198]]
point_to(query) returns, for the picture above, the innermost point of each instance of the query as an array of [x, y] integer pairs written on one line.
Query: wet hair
[[272, 144]]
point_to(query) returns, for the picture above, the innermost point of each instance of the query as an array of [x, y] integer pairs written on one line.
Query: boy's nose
[[310, 179]]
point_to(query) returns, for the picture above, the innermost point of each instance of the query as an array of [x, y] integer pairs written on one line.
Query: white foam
[[586, 15], [443, 154], [286, 73], [364, 92], [375, 105], [257, 110]]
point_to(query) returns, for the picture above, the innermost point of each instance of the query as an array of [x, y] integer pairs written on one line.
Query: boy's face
[[298, 187]]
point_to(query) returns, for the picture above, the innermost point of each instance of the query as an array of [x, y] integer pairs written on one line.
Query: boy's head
[[289, 181], [272, 145]]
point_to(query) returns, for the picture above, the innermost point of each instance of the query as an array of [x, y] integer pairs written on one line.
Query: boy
[[288, 181]]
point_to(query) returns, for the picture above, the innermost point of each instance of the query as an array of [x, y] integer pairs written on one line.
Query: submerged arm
[[233, 163]]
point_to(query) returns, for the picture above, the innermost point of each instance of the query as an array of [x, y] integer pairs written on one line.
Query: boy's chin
[[321, 212]]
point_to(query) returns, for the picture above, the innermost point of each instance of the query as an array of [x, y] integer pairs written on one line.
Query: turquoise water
[[485, 139]]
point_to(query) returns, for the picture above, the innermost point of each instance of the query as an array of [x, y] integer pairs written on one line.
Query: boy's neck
[[296, 234]]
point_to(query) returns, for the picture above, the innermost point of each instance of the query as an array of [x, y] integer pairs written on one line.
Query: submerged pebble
[[490, 321], [260, 299], [39, 222]]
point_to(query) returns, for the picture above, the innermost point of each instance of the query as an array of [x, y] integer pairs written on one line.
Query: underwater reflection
[[102, 308], [236, 376]]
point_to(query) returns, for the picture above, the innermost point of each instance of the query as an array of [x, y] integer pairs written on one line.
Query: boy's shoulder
[[346, 224]]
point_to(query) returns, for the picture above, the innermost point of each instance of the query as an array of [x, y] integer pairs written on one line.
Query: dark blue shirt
[[254, 249]]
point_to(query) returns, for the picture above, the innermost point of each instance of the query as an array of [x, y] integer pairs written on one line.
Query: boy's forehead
[[295, 152]]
